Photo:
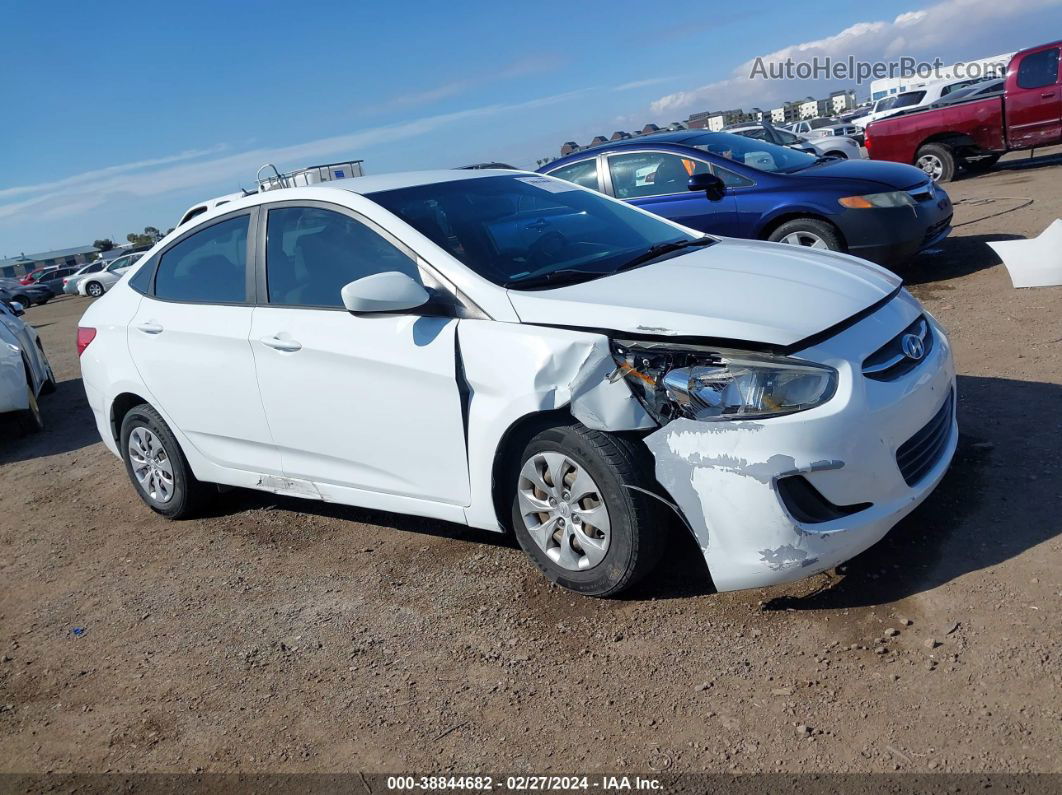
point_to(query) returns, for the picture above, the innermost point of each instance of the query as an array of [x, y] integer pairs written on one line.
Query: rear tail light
[[84, 337]]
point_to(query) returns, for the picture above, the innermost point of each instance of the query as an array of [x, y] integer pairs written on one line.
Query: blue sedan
[[734, 186]]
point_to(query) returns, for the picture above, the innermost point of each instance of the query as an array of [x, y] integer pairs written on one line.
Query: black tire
[[188, 495], [49, 386], [981, 164], [636, 535], [809, 229], [937, 161], [837, 153], [93, 289], [30, 420], [21, 299]]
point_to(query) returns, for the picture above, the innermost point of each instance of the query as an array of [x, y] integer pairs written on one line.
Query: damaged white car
[[510, 351]]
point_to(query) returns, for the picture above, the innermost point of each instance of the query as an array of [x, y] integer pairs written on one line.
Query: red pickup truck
[[974, 135]]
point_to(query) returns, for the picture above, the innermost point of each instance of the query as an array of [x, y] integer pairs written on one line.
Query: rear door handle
[[278, 344], [150, 327]]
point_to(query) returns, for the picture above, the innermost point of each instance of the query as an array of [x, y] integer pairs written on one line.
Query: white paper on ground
[[1036, 262]]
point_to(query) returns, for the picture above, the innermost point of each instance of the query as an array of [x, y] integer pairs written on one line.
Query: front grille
[[936, 229], [890, 361], [919, 454]]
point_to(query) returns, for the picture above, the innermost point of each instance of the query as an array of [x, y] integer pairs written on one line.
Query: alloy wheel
[[563, 511], [151, 464], [94, 290], [806, 239], [932, 165]]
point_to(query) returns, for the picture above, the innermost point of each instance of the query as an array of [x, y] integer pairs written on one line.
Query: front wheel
[[807, 232], [937, 161], [94, 289], [157, 467], [578, 513]]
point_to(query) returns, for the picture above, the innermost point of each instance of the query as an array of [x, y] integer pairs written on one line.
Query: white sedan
[[96, 284], [514, 352], [25, 372]]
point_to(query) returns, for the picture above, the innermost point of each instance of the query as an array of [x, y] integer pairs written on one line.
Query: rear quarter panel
[[899, 138]]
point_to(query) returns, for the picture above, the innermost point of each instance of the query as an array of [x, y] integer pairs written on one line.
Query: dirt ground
[[282, 635]]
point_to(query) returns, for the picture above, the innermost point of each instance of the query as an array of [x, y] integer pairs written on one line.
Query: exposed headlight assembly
[[895, 198], [714, 384]]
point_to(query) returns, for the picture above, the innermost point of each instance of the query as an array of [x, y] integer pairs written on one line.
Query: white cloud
[[83, 192], [921, 33]]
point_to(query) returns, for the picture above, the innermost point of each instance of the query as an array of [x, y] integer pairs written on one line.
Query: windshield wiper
[[555, 278], [660, 249]]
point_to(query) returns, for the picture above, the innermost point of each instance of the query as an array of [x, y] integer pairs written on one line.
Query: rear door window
[[582, 173], [207, 267]]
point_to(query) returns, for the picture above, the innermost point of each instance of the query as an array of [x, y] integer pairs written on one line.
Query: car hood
[[768, 293], [893, 176]]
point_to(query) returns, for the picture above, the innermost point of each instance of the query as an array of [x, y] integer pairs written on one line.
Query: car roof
[[408, 179]]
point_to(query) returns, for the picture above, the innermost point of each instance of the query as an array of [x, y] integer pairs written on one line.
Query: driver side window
[[652, 174], [311, 253]]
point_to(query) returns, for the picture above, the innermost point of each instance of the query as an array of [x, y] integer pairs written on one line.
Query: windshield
[[519, 228], [757, 154]]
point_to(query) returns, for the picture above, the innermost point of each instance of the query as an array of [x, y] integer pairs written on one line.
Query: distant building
[[568, 147], [24, 263], [778, 115], [812, 108], [598, 140], [840, 101], [715, 120], [620, 135], [649, 129]]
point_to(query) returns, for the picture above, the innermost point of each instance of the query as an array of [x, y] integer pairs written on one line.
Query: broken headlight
[[698, 383]]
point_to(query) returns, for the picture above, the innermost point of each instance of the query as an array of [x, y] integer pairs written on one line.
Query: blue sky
[[120, 115]]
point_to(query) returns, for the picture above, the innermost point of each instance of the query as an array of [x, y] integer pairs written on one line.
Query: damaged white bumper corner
[[724, 475]]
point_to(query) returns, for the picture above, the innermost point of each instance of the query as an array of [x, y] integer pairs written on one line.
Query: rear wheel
[[94, 289], [837, 153], [578, 513], [30, 420], [938, 161], [21, 299], [807, 232], [157, 467]]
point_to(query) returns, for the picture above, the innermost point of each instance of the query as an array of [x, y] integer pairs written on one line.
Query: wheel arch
[[122, 405], [776, 221], [516, 436], [957, 142]]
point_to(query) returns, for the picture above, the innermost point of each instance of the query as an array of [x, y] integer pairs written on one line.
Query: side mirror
[[713, 187], [17, 308], [389, 291]]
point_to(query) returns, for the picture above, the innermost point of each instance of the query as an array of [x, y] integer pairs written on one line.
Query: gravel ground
[[281, 635]]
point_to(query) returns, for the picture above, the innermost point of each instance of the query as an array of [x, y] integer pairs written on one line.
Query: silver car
[[827, 146], [71, 282]]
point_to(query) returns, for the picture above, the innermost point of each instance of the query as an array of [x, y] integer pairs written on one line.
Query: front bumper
[[892, 235], [724, 476]]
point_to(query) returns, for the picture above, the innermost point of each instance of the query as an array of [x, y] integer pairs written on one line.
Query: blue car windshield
[[531, 231], [752, 152]]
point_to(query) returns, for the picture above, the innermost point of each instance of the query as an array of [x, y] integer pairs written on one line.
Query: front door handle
[[150, 327], [1047, 95], [278, 344]]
